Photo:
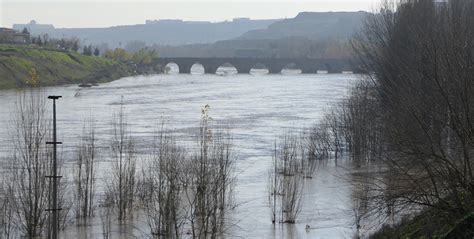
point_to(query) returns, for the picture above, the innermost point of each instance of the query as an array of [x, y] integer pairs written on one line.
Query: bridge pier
[[210, 68], [183, 70], [274, 70], [275, 66], [243, 65], [243, 69]]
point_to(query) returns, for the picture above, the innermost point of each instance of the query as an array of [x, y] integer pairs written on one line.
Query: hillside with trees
[[55, 67]]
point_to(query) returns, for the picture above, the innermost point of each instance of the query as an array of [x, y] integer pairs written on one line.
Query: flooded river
[[258, 108]]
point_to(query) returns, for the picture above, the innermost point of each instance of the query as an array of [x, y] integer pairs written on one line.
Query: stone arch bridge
[[274, 65]]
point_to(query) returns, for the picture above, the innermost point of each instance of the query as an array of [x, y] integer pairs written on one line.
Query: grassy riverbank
[[54, 67]]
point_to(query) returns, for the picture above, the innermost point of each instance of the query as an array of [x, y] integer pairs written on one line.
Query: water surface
[[257, 108]]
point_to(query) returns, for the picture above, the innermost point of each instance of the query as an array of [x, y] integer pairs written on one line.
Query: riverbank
[[55, 67], [430, 223]]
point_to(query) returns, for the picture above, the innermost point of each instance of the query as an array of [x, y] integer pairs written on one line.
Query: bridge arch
[[197, 68], [226, 68], [323, 68], [172, 68], [259, 69], [291, 69]]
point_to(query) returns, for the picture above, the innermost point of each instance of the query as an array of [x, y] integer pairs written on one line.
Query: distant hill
[[290, 47], [161, 32], [311, 25], [309, 34]]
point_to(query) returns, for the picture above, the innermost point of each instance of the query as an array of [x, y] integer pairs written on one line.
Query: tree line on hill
[[138, 55]]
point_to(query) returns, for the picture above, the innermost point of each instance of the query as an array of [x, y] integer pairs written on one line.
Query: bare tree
[[319, 142], [84, 178], [7, 213], [124, 165], [209, 181], [29, 165], [333, 120], [106, 213], [361, 198], [308, 154], [286, 180], [273, 186], [420, 57], [65, 201], [163, 202], [361, 124]]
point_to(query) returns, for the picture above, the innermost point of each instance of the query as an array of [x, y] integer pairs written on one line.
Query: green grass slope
[[54, 67]]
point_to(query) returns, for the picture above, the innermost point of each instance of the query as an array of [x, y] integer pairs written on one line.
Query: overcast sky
[[90, 13]]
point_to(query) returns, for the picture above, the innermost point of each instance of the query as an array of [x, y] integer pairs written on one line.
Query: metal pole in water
[[54, 209]]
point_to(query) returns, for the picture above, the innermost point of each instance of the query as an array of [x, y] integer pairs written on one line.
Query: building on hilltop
[[34, 28], [241, 19]]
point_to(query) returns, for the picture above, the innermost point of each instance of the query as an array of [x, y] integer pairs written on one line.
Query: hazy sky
[[90, 13]]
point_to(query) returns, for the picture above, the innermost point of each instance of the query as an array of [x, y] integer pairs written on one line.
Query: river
[[258, 108]]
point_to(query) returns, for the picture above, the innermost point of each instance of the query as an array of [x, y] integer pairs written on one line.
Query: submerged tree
[[163, 204], [7, 213], [123, 183], [209, 180], [287, 179], [30, 164], [84, 172], [361, 126], [106, 215]]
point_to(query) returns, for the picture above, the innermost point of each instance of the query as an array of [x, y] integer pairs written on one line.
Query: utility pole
[[54, 197]]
